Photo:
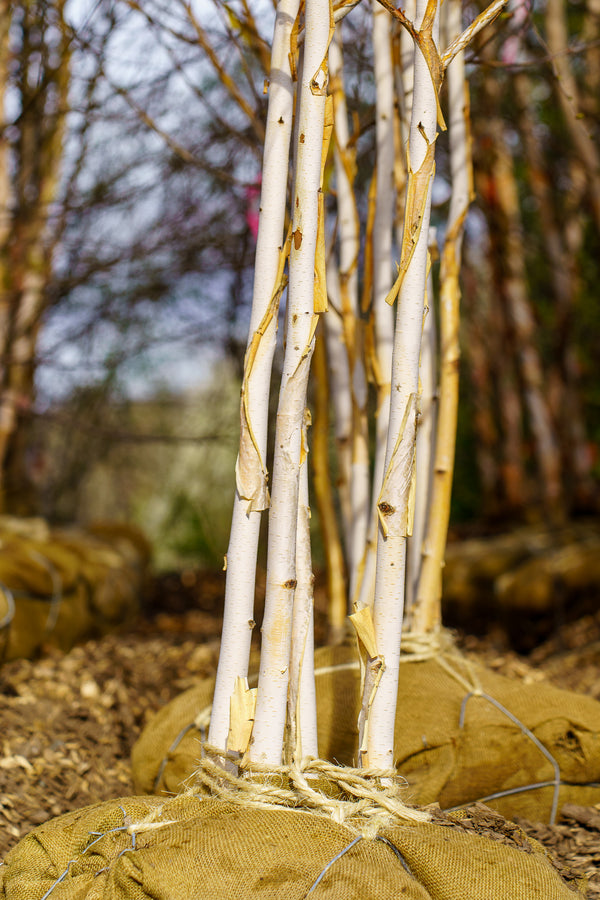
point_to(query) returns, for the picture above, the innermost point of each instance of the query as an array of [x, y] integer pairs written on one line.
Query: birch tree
[[267, 737], [382, 315], [395, 498], [251, 475], [427, 612], [280, 721]]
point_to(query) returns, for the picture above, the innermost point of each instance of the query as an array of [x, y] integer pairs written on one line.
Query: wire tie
[[384, 840], [358, 838], [529, 734], [165, 758]]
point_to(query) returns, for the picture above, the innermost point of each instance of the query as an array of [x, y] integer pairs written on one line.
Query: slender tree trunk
[[302, 702], [349, 246], [564, 277], [251, 496], [382, 272], [339, 355], [524, 330], [427, 614], [267, 737], [394, 503], [590, 34], [424, 458], [568, 98], [41, 78]]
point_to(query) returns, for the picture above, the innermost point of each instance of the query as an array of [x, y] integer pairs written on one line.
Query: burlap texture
[[441, 760], [214, 850], [65, 585]]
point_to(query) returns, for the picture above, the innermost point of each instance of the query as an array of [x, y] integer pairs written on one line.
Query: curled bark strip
[[397, 494], [416, 199], [320, 301], [485, 18], [320, 80], [241, 715], [250, 471]]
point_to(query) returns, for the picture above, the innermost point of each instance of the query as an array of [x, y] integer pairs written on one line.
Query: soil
[[69, 720]]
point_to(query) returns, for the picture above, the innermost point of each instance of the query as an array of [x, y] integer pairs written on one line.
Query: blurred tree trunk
[[479, 372], [39, 58], [562, 260], [567, 94], [500, 364], [508, 261]]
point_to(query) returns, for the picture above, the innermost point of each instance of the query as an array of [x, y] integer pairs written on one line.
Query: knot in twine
[[365, 800]]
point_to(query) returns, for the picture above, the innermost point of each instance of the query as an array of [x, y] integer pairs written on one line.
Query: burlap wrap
[[60, 587], [213, 850], [446, 758]]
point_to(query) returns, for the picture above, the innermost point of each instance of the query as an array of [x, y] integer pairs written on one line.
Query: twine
[[418, 646], [374, 793], [363, 800]]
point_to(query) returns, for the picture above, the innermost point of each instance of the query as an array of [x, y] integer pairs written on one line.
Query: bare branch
[[485, 18]]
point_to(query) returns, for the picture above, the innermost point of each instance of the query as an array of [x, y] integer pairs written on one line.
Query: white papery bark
[[382, 269], [302, 702], [394, 500], [251, 476], [341, 396], [425, 444], [349, 246], [337, 359], [267, 738], [337, 351]]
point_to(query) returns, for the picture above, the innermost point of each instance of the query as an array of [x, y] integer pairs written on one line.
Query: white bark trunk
[[251, 482], [382, 270], [425, 445], [394, 504], [302, 701], [267, 739], [341, 397], [349, 247]]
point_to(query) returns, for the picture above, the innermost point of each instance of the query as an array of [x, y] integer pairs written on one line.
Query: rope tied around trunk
[[365, 800]]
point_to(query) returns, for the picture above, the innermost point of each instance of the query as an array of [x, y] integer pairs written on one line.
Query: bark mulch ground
[[68, 721]]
